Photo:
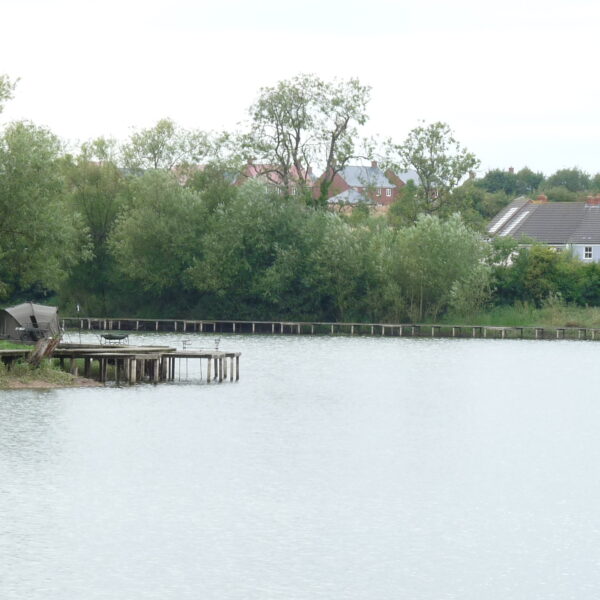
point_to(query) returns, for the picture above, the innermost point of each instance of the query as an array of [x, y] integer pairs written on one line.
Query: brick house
[[354, 184]]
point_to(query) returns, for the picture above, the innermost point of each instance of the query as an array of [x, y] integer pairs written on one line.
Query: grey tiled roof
[[365, 176], [407, 176], [549, 222], [348, 197]]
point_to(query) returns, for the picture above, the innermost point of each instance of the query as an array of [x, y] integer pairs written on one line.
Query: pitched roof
[[356, 176], [407, 176], [549, 222], [348, 197]]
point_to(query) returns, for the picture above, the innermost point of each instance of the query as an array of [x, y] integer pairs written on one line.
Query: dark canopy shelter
[[29, 322]]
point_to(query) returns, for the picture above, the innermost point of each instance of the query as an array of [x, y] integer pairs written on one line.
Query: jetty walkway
[[133, 364], [310, 328]]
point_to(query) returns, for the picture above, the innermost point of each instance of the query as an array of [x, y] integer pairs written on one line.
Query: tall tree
[[40, 238], [573, 180], [438, 159], [97, 190], [304, 123]]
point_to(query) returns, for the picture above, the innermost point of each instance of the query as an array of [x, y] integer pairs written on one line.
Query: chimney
[[511, 170], [541, 199], [374, 164]]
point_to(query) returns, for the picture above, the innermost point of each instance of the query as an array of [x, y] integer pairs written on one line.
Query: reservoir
[[341, 468]]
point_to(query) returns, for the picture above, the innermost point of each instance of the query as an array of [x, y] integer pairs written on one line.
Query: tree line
[[138, 229]]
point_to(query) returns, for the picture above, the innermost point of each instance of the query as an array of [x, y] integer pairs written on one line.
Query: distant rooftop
[[557, 223]]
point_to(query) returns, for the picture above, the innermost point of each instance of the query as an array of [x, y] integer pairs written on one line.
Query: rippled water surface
[[338, 468]]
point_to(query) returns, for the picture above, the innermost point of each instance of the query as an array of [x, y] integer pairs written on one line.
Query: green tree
[[499, 181], [97, 190], [528, 182], [7, 87], [40, 237], [305, 122], [438, 159], [157, 238], [573, 180], [440, 264], [165, 146]]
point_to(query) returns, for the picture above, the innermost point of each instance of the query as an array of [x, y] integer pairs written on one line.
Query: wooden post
[[127, 369], [332, 329], [208, 374], [237, 367], [351, 329], [87, 367], [253, 327], [272, 327], [133, 370], [312, 329], [231, 364], [225, 367], [298, 328]]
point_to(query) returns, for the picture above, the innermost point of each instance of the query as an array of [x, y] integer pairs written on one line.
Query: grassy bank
[[23, 375], [525, 315]]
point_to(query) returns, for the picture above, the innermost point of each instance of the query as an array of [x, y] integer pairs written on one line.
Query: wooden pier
[[134, 364], [319, 328]]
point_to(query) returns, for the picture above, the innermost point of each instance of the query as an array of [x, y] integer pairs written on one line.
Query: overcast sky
[[517, 81]]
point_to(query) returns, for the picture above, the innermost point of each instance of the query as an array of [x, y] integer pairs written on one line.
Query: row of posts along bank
[[318, 328]]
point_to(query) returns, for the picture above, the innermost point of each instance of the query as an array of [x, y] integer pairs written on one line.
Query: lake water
[[338, 468]]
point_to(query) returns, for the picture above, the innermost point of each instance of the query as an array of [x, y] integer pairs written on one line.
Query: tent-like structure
[[29, 322]]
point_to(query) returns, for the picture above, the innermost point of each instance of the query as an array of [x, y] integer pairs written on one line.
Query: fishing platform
[[134, 364]]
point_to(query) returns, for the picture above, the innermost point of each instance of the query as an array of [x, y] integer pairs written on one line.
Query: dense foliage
[[139, 229]]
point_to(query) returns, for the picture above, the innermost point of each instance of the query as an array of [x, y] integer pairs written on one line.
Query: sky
[[516, 80]]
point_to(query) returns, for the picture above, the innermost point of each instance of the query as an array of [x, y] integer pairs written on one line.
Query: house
[[562, 225], [354, 184], [271, 176]]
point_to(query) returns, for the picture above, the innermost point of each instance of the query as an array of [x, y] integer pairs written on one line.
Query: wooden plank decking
[[133, 364]]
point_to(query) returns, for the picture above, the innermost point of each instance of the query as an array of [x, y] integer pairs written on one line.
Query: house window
[[587, 252], [379, 191], [388, 192], [293, 190]]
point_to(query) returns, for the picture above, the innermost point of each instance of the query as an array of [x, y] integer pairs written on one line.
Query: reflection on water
[[336, 468]]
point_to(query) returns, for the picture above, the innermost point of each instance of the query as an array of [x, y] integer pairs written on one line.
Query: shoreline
[[41, 384]]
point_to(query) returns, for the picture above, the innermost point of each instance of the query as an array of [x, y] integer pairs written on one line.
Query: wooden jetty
[[133, 364], [316, 328]]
